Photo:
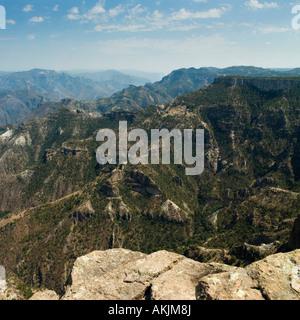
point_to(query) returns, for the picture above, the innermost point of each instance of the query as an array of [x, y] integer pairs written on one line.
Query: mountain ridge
[[265, 84], [178, 82], [66, 205]]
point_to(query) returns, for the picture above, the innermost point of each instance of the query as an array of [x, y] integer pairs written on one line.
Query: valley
[[58, 204]]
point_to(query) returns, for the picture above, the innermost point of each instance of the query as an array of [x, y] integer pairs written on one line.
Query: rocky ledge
[[120, 274], [263, 84]]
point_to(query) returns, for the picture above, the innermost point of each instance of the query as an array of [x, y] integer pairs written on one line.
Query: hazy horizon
[[132, 71], [150, 36]]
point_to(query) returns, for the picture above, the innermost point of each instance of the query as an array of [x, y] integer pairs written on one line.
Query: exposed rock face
[[125, 275], [100, 275], [50, 154], [180, 281], [45, 295], [83, 212], [263, 84], [110, 190], [203, 254], [116, 176], [278, 276], [264, 182], [171, 212], [252, 253], [120, 274], [234, 285], [275, 278], [144, 183], [11, 290], [117, 209], [294, 241]]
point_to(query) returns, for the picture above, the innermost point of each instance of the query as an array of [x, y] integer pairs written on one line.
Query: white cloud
[[116, 11], [266, 29], [91, 15], [138, 18], [11, 21], [98, 8], [73, 17], [28, 8], [94, 13], [272, 29], [255, 4], [120, 28], [74, 10], [36, 19], [183, 14], [31, 36], [55, 8], [193, 45], [73, 14]]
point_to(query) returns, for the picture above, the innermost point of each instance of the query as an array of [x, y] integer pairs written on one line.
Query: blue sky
[[157, 36]]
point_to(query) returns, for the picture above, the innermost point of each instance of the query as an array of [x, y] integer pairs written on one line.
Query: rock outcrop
[[294, 241], [251, 253], [144, 184], [234, 285], [83, 212], [171, 212], [278, 276], [116, 209], [110, 190], [120, 274], [45, 295], [203, 254], [275, 278], [263, 84]]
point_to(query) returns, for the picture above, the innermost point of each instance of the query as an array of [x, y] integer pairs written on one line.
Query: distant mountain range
[[38, 87], [113, 76], [178, 82], [120, 75], [22, 92]]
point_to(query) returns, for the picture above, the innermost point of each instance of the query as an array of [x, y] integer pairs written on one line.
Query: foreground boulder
[[45, 295], [277, 277], [120, 274]]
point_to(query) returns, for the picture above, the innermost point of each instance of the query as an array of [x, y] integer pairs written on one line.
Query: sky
[[148, 35]]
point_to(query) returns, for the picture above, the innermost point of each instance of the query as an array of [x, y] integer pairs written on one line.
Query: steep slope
[[65, 205], [22, 92], [115, 79], [17, 104], [47, 82], [177, 83]]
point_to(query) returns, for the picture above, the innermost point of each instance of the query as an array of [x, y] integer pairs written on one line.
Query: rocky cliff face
[[294, 241], [263, 84], [120, 274]]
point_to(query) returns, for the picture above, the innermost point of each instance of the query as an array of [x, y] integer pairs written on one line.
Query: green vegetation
[[250, 185]]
